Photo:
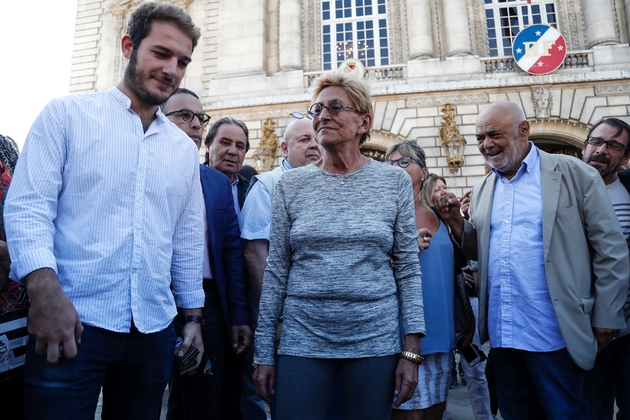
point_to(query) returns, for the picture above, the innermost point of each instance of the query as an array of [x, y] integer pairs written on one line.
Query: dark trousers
[[304, 385], [610, 380], [213, 393], [133, 369], [539, 385]]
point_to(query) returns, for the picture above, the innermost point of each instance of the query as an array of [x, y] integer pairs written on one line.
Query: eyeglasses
[[300, 116], [404, 161], [610, 144], [334, 107], [188, 115]]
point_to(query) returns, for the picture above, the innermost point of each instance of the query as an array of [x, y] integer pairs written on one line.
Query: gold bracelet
[[411, 356]]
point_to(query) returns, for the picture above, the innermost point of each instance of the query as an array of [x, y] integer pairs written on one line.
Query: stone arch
[[558, 136]]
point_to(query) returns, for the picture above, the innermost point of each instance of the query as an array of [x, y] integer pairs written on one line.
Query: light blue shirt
[[256, 214], [237, 208], [520, 312], [115, 211]]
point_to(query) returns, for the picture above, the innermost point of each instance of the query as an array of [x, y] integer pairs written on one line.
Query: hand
[[465, 204], [424, 239], [241, 338], [52, 318], [605, 335], [265, 381], [191, 333], [469, 278], [406, 381], [448, 206]]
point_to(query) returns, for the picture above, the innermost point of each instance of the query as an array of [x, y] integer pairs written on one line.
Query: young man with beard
[[103, 220], [607, 148], [213, 392]]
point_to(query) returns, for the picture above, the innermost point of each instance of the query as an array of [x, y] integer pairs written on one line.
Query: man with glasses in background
[[299, 147], [226, 332], [607, 148]]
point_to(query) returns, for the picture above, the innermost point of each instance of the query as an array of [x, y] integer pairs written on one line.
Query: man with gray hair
[[553, 267], [103, 221]]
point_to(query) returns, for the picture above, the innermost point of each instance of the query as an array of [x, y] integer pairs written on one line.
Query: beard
[[603, 170], [136, 82]]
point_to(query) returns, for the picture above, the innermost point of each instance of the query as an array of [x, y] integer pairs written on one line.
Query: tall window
[[506, 18], [354, 29]]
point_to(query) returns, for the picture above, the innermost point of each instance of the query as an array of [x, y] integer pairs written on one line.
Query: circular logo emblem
[[539, 49]]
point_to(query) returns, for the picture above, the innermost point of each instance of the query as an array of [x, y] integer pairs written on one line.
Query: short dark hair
[[616, 123], [140, 22], [178, 91], [227, 120]]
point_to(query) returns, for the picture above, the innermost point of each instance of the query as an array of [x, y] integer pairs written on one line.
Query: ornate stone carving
[[396, 35], [542, 101], [450, 99], [612, 89], [311, 35], [477, 28]]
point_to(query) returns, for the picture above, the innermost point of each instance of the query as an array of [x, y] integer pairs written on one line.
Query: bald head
[[502, 133], [299, 145]]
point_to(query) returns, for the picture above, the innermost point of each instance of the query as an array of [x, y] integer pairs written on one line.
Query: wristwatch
[[194, 318]]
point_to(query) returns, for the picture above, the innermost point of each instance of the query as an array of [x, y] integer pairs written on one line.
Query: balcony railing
[[372, 74], [573, 60]]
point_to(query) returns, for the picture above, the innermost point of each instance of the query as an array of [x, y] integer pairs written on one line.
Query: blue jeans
[[539, 385], [133, 369], [304, 385], [610, 380]]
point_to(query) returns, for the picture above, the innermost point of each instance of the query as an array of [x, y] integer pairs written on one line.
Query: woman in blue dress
[[437, 264]]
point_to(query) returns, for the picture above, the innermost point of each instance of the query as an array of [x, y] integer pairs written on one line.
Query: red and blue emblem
[[539, 49]]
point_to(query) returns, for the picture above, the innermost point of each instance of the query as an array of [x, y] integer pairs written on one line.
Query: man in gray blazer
[[553, 267]]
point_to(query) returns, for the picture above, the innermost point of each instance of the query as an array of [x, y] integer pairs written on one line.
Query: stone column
[[627, 7], [241, 37], [599, 22], [419, 27], [456, 28], [290, 39]]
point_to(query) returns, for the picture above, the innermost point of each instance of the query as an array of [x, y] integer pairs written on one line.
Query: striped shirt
[[620, 199], [115, 211]]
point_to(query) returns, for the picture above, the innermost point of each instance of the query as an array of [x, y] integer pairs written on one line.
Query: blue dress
[[438, 288]]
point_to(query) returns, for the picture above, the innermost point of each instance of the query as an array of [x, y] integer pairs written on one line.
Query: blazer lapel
[[551, 180]]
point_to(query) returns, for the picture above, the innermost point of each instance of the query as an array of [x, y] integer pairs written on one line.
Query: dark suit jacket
[[241, 187], [225, 246]]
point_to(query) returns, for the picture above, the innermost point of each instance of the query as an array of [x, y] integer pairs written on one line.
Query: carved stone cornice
[[443, 100], [622, 88]]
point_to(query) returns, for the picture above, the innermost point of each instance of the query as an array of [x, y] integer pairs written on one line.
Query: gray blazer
[[586, 258]]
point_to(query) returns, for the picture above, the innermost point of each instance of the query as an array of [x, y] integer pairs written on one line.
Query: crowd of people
[[332, 287]]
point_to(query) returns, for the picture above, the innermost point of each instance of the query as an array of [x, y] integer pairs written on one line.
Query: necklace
[[344, 176]]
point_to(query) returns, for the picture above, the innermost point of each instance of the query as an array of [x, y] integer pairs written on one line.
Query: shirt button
[[506, 221], [502, 261], [504, 303], [507, 202], [133, 271], [504, 283], [510, 184], [505, 241]]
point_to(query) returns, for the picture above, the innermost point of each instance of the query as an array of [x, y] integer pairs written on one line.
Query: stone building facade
[[257, 59]]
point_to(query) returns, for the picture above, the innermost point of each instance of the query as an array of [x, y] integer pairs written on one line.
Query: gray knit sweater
[[343, 253]]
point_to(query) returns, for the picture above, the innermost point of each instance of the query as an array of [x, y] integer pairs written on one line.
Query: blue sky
[[36, 53]]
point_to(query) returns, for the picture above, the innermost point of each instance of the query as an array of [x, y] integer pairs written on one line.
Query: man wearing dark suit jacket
[[214, 391], [553, 267], [227, 142]]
